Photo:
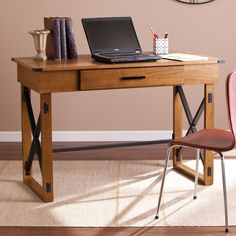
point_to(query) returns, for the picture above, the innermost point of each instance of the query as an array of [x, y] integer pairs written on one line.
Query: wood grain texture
[[26, 133], [35, 186], [86, 62], [189, 172], [177, 122], [199, 74], [45, 82], [46, 142], [209, 115], [86, 74], [119, 231], [130, 78]]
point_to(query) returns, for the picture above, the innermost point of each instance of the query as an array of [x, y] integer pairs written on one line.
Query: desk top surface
[[86, 62]]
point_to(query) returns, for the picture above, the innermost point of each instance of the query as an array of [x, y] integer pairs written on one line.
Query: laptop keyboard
[[124, 55]]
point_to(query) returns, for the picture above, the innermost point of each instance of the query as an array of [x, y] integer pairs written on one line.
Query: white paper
[[184, 57]]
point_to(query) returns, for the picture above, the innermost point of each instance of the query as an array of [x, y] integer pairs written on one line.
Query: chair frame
[[169, 150]]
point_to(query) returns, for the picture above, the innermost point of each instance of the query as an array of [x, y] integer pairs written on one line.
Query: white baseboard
[[10, 136], [111, 135], [90, 136]]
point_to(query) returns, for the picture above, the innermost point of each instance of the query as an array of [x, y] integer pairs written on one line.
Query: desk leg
[[26, 134], [46, 141], [177, 133], [209, 123], [177, 123], [30, 144], [207, 177]]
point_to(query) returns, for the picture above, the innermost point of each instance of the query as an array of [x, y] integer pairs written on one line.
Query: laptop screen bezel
[[95, 51]]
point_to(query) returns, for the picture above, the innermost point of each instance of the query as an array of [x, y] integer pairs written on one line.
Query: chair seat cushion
[[211, 139]]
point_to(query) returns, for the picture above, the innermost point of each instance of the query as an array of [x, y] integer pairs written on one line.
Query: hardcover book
[[57, 37], [61, 39], [71, 49], [53, 48], [50, 48]]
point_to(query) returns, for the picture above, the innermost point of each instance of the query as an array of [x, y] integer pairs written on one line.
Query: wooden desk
[[85, 74]]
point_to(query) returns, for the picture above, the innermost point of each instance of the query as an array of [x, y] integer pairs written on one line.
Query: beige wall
[[207, 29]]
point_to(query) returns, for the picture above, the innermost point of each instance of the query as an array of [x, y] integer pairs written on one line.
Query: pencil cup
[[160, 46]]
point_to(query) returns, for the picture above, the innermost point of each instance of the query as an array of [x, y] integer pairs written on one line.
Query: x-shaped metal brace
[[36, 130], [191, 120]]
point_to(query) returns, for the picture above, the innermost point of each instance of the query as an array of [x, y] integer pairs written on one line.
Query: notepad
[[183, 57]]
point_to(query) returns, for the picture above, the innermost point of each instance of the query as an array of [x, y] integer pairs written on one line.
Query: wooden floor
[[12, 151], [124, 231]]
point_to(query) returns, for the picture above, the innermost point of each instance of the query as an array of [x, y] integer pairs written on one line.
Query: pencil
[[153, 32]]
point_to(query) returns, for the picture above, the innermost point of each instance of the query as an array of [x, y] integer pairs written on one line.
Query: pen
[[154, 33], [166, 35]]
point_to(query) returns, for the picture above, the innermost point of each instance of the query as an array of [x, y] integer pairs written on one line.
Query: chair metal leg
[[224, 192], [196, 174], [163, 179], [196, 183]]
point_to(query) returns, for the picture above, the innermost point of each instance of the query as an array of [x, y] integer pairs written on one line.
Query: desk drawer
[[131, 77]]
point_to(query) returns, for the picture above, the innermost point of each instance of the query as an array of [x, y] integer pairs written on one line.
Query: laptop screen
[[111, 35]]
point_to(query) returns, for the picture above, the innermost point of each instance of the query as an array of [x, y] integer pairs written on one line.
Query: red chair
[[216, 140]]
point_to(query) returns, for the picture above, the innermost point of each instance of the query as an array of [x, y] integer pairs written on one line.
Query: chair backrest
[[231, 101]]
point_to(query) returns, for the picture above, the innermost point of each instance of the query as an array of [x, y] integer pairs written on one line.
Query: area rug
[[114, 193]]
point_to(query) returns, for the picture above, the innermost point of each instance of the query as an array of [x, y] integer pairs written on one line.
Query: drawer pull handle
[[133, 77]]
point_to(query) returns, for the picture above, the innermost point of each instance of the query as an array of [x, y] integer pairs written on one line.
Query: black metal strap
[[32, 148], [113, 145], [35, 132], [186, 108], [198, 114]]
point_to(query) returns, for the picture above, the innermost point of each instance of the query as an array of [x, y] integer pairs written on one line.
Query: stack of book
[[61, 39]]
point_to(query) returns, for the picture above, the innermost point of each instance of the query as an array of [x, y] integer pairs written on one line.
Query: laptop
[[114, 40]]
